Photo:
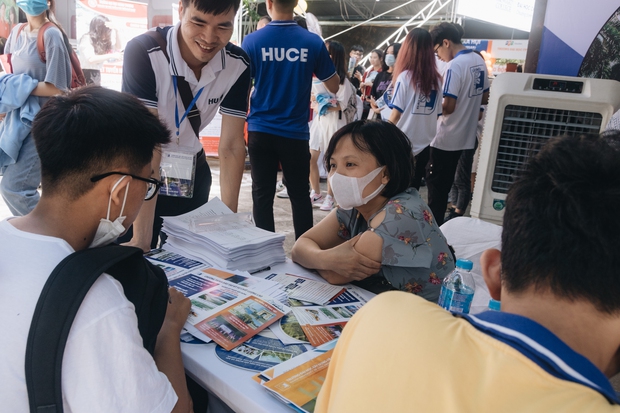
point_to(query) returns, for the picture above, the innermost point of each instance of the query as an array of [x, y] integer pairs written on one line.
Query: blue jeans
[[20, 180]]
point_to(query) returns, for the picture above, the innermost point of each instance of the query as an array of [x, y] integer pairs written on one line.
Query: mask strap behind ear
[[110, 199], [125, 199]]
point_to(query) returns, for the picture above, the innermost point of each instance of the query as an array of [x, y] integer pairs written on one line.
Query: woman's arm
[[335, 259], [45, 89], [395, 116]]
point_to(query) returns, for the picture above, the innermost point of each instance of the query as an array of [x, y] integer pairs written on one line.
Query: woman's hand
[[350, 264]]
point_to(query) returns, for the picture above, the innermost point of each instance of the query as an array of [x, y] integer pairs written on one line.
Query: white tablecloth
[[234, 386]]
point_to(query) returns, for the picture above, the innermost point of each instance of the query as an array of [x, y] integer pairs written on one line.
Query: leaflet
[[297, 382], [316, 292], [237, 323], [223, 311], [259, 353], [325, 314], [321, 324], [173, 264], [290, 330]]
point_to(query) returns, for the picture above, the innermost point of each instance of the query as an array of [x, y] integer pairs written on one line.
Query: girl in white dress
[[328, 118]]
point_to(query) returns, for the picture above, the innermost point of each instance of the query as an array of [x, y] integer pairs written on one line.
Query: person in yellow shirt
[[556, 339]]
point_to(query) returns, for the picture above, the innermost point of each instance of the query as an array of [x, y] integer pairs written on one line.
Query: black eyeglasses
[[437, 48], [152, 184]]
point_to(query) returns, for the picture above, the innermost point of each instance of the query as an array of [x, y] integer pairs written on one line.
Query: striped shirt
[[148, 75]]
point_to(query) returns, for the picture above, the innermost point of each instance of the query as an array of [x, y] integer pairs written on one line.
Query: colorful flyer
[[238, 323], [259, 353]]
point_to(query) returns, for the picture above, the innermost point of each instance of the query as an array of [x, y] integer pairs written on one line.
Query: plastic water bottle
[[457, 289]]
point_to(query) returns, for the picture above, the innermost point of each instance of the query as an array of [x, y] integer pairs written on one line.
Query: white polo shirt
[[419, 112], [148, 75], [465, 80]]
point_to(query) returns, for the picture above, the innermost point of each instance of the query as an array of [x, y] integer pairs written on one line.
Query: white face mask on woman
[[390, 60], [348, 190], [109, 231]]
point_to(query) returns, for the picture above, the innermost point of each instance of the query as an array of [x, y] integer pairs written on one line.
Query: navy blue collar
[[464, 51], [544, 348]]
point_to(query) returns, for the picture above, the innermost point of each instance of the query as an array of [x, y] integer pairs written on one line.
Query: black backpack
[[144, 284]]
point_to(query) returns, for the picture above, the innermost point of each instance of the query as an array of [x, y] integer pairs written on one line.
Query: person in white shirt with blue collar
[[197, 50], [466, 87]]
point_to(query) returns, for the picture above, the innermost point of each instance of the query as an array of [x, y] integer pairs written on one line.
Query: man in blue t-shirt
[[284, 57]]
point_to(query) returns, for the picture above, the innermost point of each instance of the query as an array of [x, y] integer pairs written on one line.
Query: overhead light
[[301, 7]]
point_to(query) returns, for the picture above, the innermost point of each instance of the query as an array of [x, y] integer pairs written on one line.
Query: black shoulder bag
[[144, 284]]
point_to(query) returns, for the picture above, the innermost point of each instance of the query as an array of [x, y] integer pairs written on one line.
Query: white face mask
[[348, 190], [109, 231]]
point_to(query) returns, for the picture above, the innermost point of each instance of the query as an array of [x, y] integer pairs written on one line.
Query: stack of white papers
[[217, 236]]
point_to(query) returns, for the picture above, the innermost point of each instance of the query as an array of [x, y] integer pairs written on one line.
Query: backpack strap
[[54, 313], [77, 75], [40, 42], [159, 35], [19, 29]]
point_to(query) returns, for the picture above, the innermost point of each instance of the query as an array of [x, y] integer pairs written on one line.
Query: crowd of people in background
[[412, 117], [409, 91]]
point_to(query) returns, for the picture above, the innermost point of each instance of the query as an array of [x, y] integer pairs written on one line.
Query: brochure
[[259, 353], [237, 323], [173, 264], [316, 292], [332, 319], [297, 382], [223, 311]]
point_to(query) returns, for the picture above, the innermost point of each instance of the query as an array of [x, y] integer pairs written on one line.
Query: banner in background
[[127, 20], [579, 39], [491, 50], [516, 14], [8, 17]]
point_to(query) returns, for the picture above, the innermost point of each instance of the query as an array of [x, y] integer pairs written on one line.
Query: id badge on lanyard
[[178, 173], [178, 168]]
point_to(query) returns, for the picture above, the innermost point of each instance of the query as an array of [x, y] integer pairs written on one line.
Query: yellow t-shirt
[[401, 353]]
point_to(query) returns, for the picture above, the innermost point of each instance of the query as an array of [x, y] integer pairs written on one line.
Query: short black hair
[[90, 131], [561, 227], [451, 31], [357, 48], [388, 144], [214, 7]]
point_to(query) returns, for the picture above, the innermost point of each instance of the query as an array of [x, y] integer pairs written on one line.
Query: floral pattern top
[[416, 256]]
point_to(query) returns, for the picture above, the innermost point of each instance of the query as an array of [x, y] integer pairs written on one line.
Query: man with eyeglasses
[[96, 147]]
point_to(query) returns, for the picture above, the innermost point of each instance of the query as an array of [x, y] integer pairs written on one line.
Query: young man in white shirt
[[466, 87], [198, 50], [96, 147]]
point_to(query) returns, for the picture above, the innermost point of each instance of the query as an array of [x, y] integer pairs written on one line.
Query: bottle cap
[[464, 264], [494, 305]]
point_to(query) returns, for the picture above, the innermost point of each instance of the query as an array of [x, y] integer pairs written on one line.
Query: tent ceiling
[[359, 10]]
